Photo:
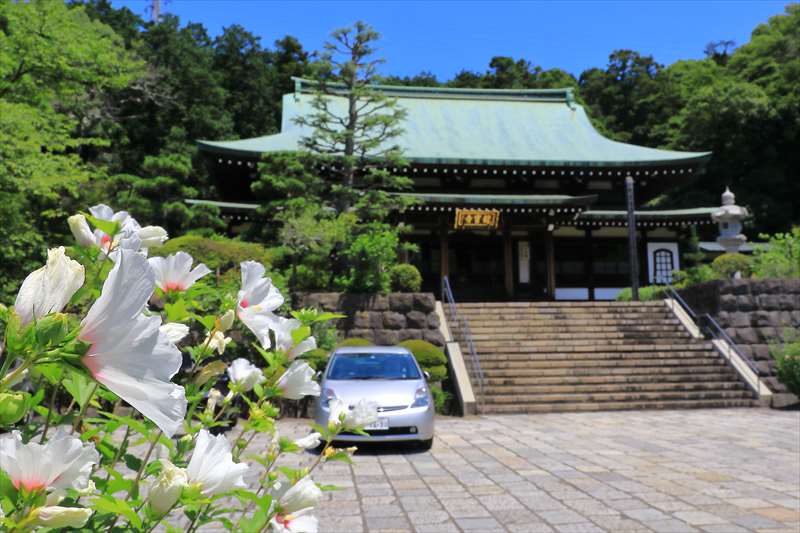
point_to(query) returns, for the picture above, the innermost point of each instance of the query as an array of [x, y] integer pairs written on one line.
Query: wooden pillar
[[444, 249], [644, 271], [508, 261], [589, 262], [550, 260]]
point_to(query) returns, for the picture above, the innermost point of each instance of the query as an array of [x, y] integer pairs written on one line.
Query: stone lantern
[[729, 218]]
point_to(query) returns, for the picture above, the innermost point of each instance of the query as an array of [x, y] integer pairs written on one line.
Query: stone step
[[571, 372], [577, 335], [486, 347], [519, 399], [721, 374], [588, 314], [602, 363], [508, 321], [595, 388], [595, 356], [615, 406], [564, 329], [569, 305]]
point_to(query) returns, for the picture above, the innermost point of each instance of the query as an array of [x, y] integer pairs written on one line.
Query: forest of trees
[[97, 104]]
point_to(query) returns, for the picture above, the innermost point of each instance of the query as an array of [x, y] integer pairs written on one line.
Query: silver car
[[388, 376]]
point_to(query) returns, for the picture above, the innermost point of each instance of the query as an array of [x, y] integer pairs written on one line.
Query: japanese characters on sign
[[477, 219]]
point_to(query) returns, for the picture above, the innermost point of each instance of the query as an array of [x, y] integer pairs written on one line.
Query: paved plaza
[[719, 471]]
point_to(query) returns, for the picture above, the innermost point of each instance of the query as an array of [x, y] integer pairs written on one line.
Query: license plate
[[381, 423]]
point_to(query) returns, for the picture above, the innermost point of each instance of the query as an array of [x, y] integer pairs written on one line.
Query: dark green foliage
[[726, 265], [430, 358], [218, 253], [354, 341], [369, 259], [441, 399], [316, 358], [405, 278], [780, 258], [647, 293], [787, 361]]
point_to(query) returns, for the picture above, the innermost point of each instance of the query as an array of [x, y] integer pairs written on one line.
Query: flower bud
[[13, 406], [214, 396], [152, 236], [58, 517], [167, 488], [49, 289], [81, 231]]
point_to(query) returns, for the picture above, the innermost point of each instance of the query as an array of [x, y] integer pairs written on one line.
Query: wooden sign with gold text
[[477, 219]]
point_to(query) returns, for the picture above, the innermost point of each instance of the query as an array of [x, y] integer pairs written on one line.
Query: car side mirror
[[427, 375]]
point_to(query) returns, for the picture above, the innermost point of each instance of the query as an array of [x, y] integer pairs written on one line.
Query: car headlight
[[326, 396], [420, 398]]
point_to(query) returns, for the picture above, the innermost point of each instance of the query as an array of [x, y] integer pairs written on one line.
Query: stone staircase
[[590, 356]]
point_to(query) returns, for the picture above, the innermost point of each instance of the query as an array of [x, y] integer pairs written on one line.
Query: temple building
[[519, 197]]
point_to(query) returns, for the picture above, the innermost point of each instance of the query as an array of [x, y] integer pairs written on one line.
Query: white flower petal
[[245, 374], [212, 465], [174, 272], [174, 331], [81, 231], [298, 381], [128, 353], [49, 289]]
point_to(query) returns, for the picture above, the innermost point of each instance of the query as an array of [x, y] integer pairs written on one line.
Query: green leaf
[[106, 226], [340, 456], [256, 522], [132, 462], [177, 311], [300, 334], [111, 505], [79, 386]]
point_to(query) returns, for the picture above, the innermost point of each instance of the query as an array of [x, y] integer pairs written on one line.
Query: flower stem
[[50, 406], [14, 374], [82, 412]]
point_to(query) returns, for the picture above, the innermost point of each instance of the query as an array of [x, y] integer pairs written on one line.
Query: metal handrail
[[710, 329], [463, 325]]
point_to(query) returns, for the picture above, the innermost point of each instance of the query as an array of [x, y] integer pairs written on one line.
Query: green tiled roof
[[672, 214], [477, 127], [502, 199], [229, 206]]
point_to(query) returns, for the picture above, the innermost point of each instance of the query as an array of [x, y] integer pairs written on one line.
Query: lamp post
[[633, 256]]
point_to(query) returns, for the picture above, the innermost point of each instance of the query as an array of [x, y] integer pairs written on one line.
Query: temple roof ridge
[[560, 95]]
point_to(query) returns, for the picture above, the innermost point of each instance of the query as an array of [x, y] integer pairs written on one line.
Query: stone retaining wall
[[753, 312], [384, 319]]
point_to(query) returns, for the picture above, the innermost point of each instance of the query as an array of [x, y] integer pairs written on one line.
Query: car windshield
[[373, 366]]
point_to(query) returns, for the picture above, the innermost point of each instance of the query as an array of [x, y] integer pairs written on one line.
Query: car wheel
[[426, 444]]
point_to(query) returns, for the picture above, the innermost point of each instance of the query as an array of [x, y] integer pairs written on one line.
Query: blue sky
[[444, 37]]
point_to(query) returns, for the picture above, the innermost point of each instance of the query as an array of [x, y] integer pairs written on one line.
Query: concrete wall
[[384, 319], [753, 312]]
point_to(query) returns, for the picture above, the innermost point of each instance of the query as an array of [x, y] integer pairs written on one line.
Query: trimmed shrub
[[440, 399], [405, 278], [354, 341], [430, 358], [216, 252], [693, 275], [787, 361], [650, 292], [726, 265]]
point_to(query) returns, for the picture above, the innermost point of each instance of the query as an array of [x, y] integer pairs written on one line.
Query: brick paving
[[716, 471]]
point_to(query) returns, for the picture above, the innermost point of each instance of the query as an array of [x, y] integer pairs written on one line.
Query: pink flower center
[[105, 241], [92, 363], [244, 303], [173, 286], [284, 520], [28, 484]]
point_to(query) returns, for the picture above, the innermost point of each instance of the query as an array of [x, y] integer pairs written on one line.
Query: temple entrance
[[482, 265]]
